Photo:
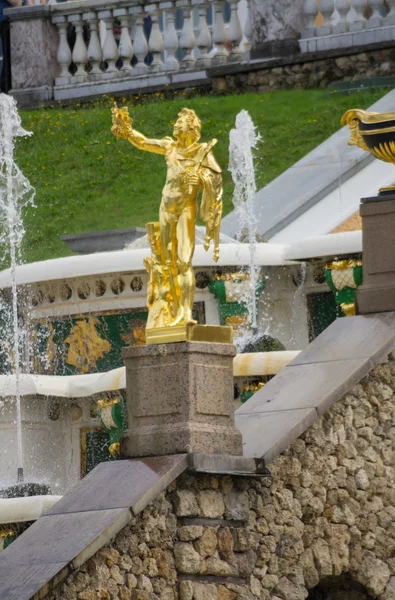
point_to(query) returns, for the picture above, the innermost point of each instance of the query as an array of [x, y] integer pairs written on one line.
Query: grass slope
[[87, 180]]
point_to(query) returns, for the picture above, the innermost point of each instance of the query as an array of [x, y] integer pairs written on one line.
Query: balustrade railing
[[343, 23], [89, 52]]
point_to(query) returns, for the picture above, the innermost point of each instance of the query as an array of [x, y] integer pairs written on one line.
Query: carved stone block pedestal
[[377, 293], [180, 399]]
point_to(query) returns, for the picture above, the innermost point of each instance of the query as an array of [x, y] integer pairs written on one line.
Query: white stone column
[[187, 38], [376, 19], [342, 7], [310, 10], [170, 38], [235, 33], [203, 40], [63, 55], [359, 21], [125, 48], [390, 18], [140, 45], [326, 9], [110, 48], [219, 34], [155, 42], [95, 53], [247, 27], [79, 54]]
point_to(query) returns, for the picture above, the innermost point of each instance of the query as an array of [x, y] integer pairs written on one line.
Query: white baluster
[[247, 30], [203, 40], [140, 45], [310, 10], [79, 54], [390, 18], [326, 9], [376, 19], [235, 33], [359, 22], [171, 43], [125, 48], [110, 49], [219, 34], [63, 55], [95, 54], [187, 39], [342, 7], [155, 42]]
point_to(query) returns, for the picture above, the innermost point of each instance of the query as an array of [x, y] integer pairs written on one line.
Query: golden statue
[[191, 167]]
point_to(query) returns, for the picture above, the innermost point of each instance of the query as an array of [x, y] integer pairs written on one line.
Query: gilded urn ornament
[[374, 133], [191, 169]]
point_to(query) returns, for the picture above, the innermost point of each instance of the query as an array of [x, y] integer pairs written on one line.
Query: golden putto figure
[[191, 167]]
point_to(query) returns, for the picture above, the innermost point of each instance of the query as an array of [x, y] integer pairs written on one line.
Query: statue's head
[[187, 124]]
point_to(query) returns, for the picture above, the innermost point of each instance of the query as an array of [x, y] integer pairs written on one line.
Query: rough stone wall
[[328, 511], [34, 44], [318, 72], [276, 23]]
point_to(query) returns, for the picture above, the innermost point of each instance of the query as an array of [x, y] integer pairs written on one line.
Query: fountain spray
[[242, 141], [15, 193]]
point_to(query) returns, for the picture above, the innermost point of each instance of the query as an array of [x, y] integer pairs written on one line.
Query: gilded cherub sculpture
[[191, 167]]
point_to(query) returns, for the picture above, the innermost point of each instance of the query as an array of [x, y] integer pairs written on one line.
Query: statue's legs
[[185, 250], [178, 243], [168, 222], [168, 234]]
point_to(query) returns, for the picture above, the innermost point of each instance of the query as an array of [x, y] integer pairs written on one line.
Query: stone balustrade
[[110, 46], [331, 24]]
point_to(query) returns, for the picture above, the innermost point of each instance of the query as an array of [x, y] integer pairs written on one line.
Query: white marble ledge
[[348, 39], [20, 510], [83, 386], [74, 6], [120, 83]]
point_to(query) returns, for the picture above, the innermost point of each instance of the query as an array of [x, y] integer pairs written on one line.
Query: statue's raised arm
[[122, 127]]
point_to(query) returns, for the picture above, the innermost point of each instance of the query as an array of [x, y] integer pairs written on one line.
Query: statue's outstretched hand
[[121, 122]]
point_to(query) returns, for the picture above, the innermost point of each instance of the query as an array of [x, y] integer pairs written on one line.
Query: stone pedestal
[[180, 399], [377, 293]]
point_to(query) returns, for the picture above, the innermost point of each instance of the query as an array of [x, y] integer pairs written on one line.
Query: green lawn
[[87, 180]]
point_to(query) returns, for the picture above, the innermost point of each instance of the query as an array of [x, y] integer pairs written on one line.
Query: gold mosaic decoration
[[86, 346]]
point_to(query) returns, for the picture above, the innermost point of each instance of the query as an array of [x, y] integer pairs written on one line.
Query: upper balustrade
[[331, 24], [109, 46]]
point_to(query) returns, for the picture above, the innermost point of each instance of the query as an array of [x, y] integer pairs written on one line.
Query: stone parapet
[[321, 527], [323, 522], [81, 65], [180, 399]]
